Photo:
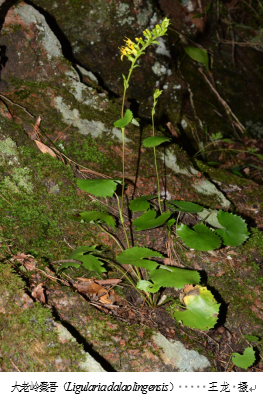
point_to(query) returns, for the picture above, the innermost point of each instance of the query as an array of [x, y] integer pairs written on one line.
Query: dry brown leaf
[[94, 291], [45, 149], [38, 293], [25, 259]]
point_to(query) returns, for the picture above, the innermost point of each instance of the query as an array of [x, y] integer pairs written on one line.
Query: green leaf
[[201, 238], [235, 229], [141, 204], [216, 137], [125, 120], [171, 222], [151, 142], [174, 277], [185, 206], [90, 262], [201, 308], [93, 216], [210, 216], [251, 338], [147, 286], [213, 163], [149, 220], [136, 255], [198, 54], [98, 187], [259, 156], [246, 360]]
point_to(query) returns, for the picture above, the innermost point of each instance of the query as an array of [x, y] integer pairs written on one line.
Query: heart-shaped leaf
[[246, 360], [149, 220], [201, 308], [201, 238], [98, 187]]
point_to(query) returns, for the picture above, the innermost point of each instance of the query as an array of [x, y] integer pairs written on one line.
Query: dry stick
[[16, 104], [221, 100], [6, 200]]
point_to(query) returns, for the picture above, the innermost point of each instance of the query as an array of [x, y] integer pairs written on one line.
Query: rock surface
[[41, 195]]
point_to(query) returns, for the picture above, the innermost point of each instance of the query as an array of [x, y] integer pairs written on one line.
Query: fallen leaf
[[38, 293], [45, 149], [95, 291], [25, 259]]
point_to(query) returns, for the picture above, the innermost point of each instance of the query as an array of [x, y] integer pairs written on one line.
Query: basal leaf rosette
[[201, 309]]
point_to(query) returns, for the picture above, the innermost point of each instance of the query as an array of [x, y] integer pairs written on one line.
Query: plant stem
[[122, 221], [111, 235], [156, 168]]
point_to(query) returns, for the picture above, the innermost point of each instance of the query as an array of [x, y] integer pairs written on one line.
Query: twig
[[6, 200], [221, 100], [16, 104], [15, 365]]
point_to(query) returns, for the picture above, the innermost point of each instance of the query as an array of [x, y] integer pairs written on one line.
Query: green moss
[[29, 341]]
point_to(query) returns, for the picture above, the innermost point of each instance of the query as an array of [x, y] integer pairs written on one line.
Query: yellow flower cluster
[[133, 49], [130, 48]]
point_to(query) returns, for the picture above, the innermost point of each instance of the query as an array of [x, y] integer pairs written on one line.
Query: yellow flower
[[124, 51], [128, 49]]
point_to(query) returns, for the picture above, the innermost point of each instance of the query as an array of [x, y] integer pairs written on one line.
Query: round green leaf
[[201, 309], [246, 360], [201, 238], [151, 142], [235, 229]]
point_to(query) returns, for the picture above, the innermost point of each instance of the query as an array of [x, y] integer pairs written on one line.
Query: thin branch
[[16, 104]]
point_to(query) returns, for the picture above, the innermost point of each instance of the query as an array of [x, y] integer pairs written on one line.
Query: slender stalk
[[155, 163], [124, 273], [122, 221], [111, 235]]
